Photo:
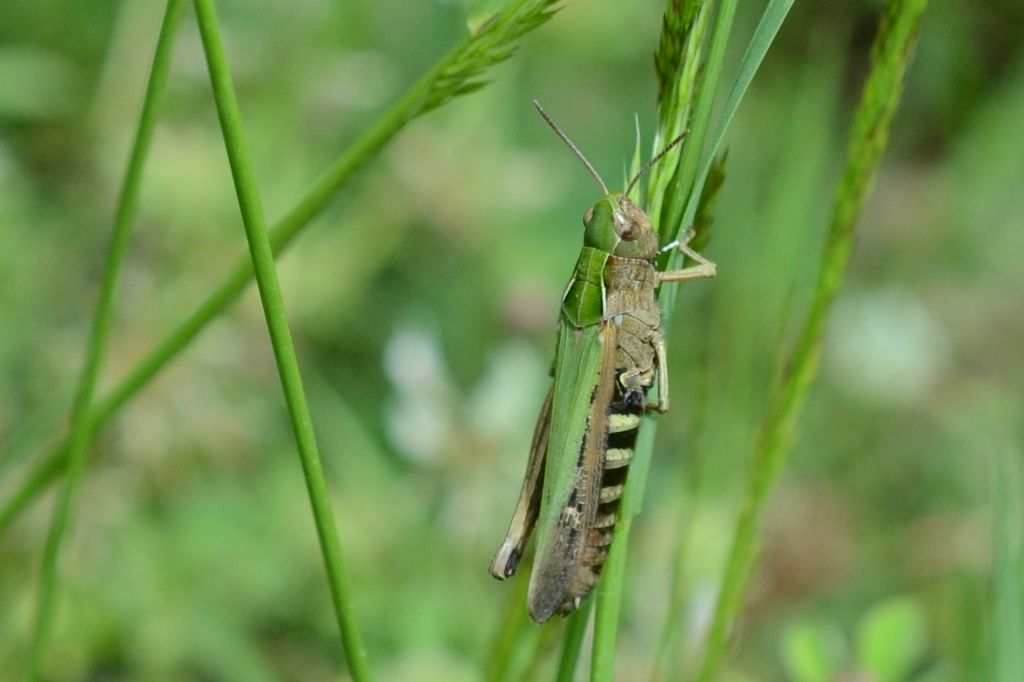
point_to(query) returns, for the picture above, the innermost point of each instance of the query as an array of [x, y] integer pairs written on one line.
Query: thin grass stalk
[[457, 73], [871, 125], [768, 27], [610, 589], [684, 72], [703, 106], [665, 654], [575, 632], [672, 625], [280, 335], [81, 419], [698, 212], [684, 25], [670, 227], [543, 646]]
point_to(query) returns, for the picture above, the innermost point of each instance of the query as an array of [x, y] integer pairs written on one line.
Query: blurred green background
[[423, 305]]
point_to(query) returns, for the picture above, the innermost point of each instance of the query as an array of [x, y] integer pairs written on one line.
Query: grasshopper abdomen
[[624, 417]]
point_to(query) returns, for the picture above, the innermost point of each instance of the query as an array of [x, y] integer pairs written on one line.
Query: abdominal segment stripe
[[618, 457], [622, 422]]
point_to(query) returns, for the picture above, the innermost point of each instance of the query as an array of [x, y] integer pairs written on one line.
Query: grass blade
[[454, 75], [610, 590], [575, 631], [699, 410], [81, 419], [280, 335], [771, 21], [871, 125], [686, 173]]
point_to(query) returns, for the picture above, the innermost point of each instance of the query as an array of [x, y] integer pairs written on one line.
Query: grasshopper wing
[[583, 391], [506, 559]]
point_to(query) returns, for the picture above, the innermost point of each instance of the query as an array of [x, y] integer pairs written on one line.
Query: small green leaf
[[892, 638], [810, 653]]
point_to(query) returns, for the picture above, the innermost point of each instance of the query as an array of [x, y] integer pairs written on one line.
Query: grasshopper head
[[618, 226]]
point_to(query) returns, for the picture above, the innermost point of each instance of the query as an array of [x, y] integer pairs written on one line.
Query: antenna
[[657, 157], [573, 147]]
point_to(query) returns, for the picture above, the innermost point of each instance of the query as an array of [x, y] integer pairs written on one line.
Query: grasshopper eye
[[588, 216], [622, 226]]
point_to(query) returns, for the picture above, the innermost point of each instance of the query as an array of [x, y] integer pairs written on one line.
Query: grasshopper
[[609, 352]]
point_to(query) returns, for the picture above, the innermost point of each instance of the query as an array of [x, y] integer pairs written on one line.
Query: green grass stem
[[457, 73], [678, 64], [280, 336], [541, 648], [686, 172], [870, 133], [677, 113], [768, 27], [575, 631], [764, 35], [689, 179], [80, 435]]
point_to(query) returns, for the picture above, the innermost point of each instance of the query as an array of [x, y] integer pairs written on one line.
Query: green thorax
[[583, 302], [615, 226]]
